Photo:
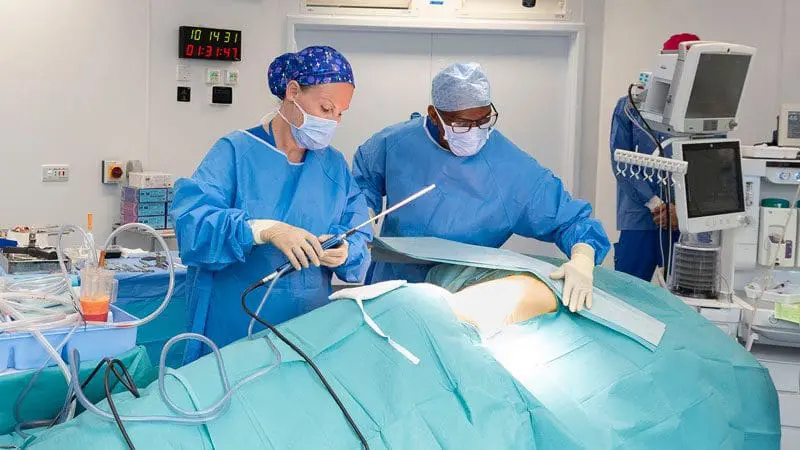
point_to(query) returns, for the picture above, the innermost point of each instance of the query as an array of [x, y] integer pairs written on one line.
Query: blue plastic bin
[[22, 351], [27, 352], [7, 243], [5, 356], [98, 342]]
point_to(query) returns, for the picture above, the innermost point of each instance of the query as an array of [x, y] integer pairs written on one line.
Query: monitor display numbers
[[793, 125], [210, 43]]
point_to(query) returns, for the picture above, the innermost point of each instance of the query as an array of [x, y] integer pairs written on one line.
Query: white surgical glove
[[334, 257], [578, 275], [300, 247], [654, 203], [258, 226]]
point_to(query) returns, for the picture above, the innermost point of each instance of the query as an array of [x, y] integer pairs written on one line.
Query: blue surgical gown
[[481, 199], [632, 193], [245, 177]]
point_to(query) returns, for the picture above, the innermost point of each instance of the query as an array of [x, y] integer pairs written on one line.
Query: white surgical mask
[[315, 133], [464, 144]]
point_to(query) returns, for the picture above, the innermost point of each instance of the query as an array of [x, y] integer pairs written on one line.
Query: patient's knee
[[511, 299], [537, 299]]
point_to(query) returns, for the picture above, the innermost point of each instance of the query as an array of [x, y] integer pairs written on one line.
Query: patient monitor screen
[[718, 85], [714, 182]]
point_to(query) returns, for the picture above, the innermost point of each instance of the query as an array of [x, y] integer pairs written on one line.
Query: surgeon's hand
[[660, 216], [300, 247], [334, 257], [578, 276]]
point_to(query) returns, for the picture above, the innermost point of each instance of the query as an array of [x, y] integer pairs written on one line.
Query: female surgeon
[[270, 194]]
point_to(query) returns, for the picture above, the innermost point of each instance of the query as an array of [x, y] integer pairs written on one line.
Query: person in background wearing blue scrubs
[[272, 193], [641, 210], [487, 188]]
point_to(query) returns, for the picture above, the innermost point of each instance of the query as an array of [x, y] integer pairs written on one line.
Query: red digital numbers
[[210, 52]]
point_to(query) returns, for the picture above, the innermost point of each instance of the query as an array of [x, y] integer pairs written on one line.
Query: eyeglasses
[[463, 126]]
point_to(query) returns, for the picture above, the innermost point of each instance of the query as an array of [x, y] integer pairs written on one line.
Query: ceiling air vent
[[372, 4]]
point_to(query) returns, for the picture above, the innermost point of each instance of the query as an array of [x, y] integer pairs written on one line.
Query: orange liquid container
[[95, 309], [98, 291]]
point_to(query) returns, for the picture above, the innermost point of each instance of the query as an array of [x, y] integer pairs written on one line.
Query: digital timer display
[[210, 43]]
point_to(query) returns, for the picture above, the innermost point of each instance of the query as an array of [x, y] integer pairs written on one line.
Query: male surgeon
[[487, 187]]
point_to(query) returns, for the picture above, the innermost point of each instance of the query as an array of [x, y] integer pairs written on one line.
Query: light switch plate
[[183, 72], [55, 173]]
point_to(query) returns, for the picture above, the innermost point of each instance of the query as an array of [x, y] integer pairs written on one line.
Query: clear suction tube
[[183, 417], [47, 288], [170, 265]]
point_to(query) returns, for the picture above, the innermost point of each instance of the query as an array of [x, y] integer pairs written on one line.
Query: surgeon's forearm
[[601, 249], [214, 241], [258, 227], [211, 233], [355, 268], [587, 231]]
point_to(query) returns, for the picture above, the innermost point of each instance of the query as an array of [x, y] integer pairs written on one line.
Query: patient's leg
[[531, 297], [511, 299]]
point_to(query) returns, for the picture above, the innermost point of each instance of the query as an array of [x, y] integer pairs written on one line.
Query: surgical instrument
[[335, 241]]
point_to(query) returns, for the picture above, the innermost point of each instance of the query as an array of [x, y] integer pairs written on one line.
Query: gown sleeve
[[355, 213], [549, 213], [369, 169], [211, 233]]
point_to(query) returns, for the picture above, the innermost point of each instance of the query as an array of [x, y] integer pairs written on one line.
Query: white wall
[[74, 88], [593, 16], [86, 80], [634, 33]]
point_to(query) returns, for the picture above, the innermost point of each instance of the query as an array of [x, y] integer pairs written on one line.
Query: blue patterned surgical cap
[[310, 66]]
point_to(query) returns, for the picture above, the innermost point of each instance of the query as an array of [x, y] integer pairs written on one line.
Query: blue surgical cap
[[311, 66], [461, 86]]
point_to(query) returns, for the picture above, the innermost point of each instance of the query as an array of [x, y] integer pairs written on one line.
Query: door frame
[[574, 31]]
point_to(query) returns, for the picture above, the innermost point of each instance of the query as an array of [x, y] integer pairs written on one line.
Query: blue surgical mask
[[465, 144], [315, 133]]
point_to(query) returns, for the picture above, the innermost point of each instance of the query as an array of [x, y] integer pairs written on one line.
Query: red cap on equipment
[[675, 40]]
